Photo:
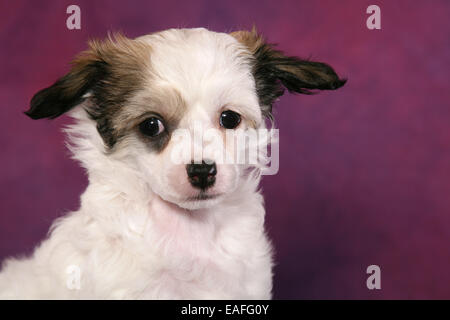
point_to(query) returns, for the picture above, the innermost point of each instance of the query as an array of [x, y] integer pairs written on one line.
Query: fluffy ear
[[273, 70], [68, 91], [109, 69]]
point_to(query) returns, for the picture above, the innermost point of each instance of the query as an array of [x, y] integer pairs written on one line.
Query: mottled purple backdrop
[[364, 171]]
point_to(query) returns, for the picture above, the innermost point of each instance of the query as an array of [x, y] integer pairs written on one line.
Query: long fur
[[129, 245], [138, 234]]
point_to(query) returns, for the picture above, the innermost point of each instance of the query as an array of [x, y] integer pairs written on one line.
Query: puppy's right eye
[[229, 119], [152, 127]]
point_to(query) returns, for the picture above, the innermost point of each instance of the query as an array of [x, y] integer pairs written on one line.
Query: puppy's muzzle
[[202, 175]]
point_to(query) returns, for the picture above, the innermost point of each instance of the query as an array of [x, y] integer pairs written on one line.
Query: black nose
[[201, 175]]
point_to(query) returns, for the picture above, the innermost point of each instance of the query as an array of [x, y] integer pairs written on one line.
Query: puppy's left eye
[[229, 119], [152, 127]]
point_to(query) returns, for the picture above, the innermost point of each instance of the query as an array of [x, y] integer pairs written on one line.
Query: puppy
[[150, 227]]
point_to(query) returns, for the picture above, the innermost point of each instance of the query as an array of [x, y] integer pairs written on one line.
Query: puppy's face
[[167, 104]]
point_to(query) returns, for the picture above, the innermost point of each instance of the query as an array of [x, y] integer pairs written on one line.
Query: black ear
[[273, 71], [296, 75], [68, 91]]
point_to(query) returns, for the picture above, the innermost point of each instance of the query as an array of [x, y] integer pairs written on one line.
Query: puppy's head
[[180, 89]]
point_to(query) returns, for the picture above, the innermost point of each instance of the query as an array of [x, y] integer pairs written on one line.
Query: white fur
[[133, 237]]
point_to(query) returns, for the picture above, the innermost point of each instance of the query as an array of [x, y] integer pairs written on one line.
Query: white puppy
[[150, 227]]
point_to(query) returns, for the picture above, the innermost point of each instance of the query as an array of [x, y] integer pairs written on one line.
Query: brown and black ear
[[273, 70], [68, 91], [110, 70]]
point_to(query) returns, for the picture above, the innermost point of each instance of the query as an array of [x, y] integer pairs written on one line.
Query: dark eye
[[152, 127], [230, 119]]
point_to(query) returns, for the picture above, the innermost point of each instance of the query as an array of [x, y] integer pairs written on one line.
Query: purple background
[[364, 171]]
